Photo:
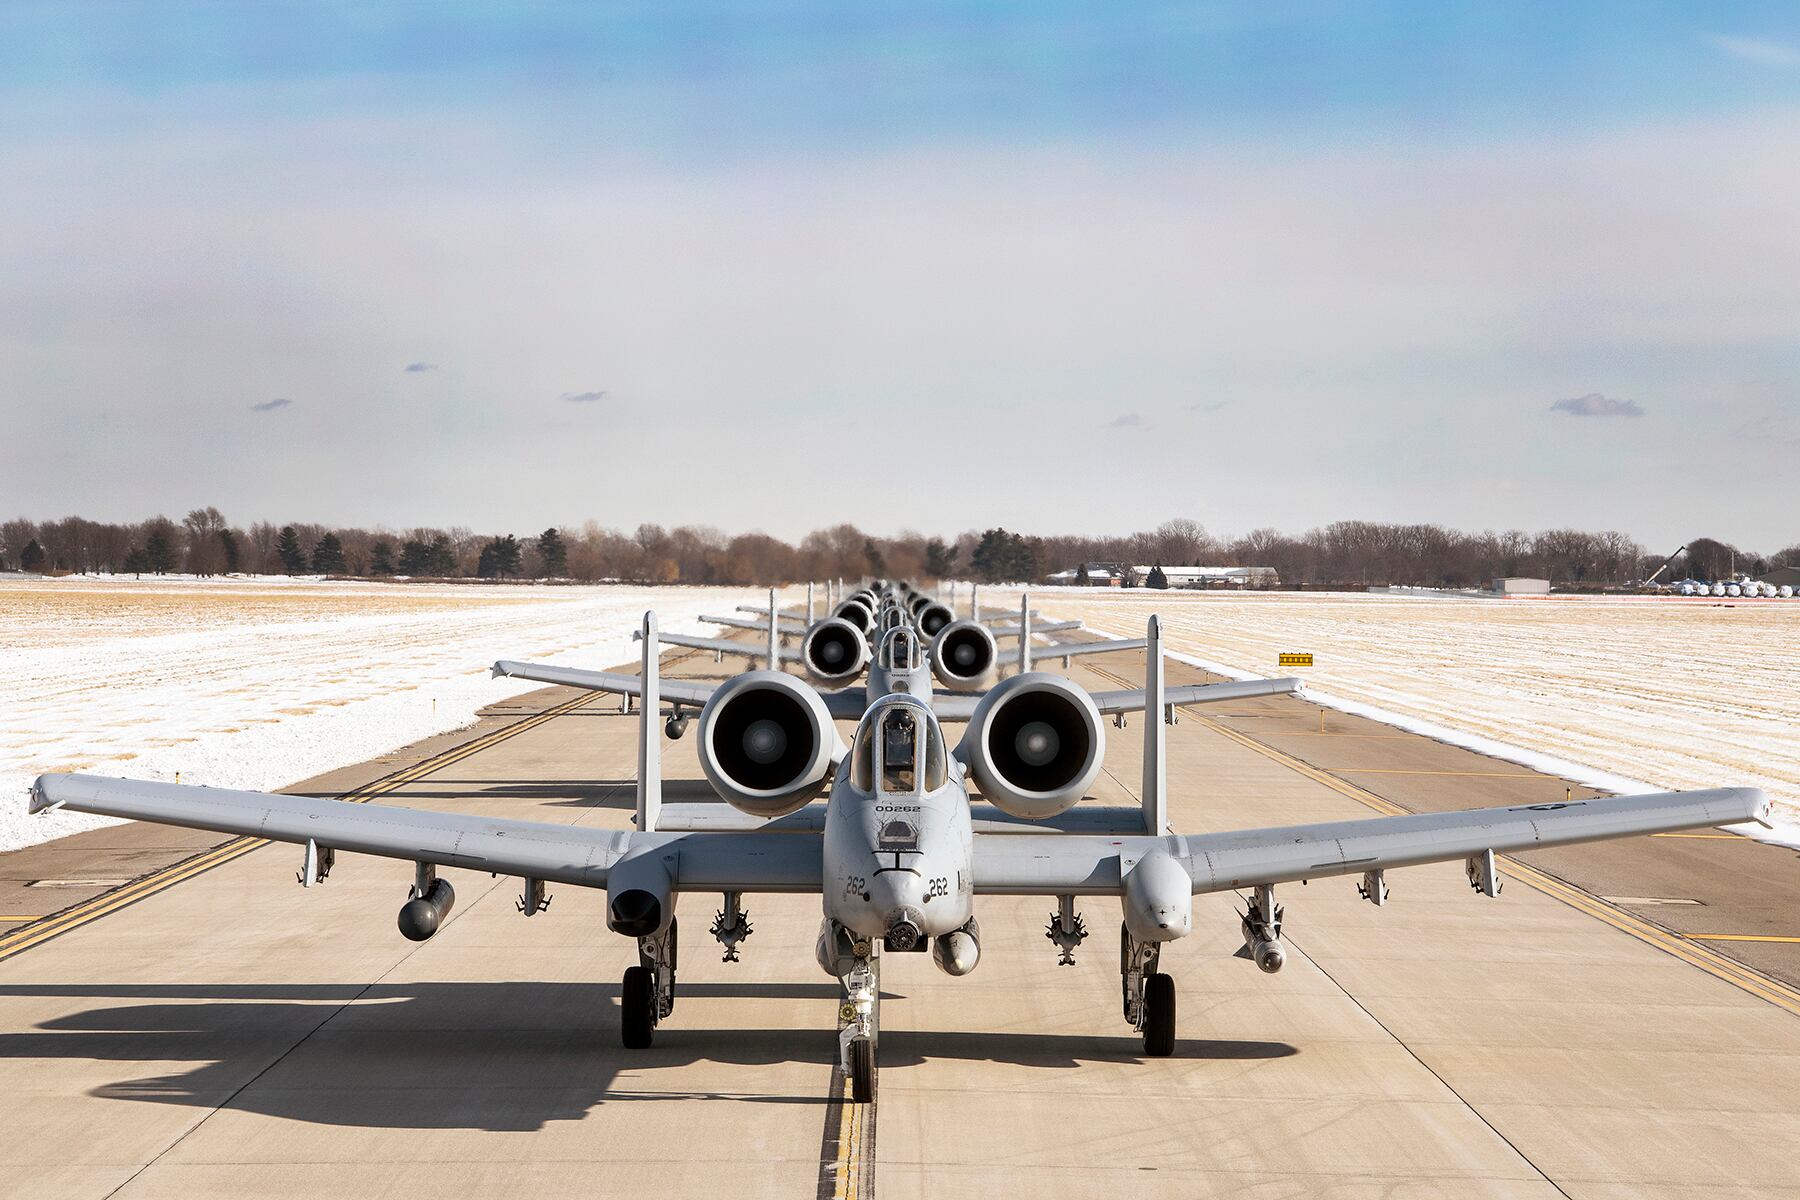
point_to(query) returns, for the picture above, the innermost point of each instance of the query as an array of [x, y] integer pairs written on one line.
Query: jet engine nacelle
[[964, 656], [858, 613], [766, 742], [1034, 745], [835, 651], [931, 617]]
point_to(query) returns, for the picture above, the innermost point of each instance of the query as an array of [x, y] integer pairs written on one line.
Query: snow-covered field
[[258, 683], [1644, 693]]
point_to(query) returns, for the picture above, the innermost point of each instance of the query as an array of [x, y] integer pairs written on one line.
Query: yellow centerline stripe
[[45, 928], [1715, 964], [1740, 937], [1396, 771]]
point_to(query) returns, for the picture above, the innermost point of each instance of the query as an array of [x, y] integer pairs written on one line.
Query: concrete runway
[[213, 1029]]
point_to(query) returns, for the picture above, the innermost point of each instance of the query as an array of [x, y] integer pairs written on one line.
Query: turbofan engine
[[834, 651], [931, 617], [766, 742], [1034, 745], [963, 656], [858, 613]]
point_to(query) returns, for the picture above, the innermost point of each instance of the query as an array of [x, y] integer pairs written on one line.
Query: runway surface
[[212, 1029]]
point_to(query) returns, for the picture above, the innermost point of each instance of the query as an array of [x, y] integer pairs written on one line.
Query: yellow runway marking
[[1739, 937], [43, 929], [1689, 951]]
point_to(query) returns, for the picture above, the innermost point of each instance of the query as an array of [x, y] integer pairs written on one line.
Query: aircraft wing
[[717, 645], [1062, 864], [1132, 699], [533, 849], [1012, 631], [1069, 650], [678, 691]]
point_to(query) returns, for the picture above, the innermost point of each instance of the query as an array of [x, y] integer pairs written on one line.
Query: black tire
[[637, 1008], [1159, 1016], [862, 1071]]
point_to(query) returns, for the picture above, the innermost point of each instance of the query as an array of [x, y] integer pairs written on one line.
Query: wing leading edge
[[569, 854], [1062, 864]]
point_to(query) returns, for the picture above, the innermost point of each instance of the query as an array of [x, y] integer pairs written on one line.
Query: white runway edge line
[[1786, 832], [259, 703]]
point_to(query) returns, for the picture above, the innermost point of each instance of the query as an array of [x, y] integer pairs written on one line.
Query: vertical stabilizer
[[1155, 790], [774, 634], [975, 602], [649, 777], [809, 604], [1024, 632]]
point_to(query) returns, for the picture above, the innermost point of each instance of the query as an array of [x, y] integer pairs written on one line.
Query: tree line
[[1343, 553]]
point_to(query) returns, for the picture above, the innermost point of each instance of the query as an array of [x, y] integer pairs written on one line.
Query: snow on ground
[[1627, 694], [258, 683]]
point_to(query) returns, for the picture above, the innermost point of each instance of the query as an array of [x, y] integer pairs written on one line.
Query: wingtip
[[40, 798], [499, 670]]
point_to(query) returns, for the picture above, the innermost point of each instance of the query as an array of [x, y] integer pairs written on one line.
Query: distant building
[[1200, 577], [1516, 586], [1098, 575], [1782, 577]]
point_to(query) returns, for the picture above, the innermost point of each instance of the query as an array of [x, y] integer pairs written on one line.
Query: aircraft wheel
[[637, 1008], [862, 1070], [1159, 1016]]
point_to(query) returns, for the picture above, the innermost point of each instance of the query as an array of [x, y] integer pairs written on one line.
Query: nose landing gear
[[859, 1021]]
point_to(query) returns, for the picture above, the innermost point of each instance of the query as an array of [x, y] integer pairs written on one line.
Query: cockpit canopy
[[898, 751], [899, 651]]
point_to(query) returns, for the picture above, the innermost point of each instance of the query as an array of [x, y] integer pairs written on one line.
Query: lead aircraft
[[899, 853]]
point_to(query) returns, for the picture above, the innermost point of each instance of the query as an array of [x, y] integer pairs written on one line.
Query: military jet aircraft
[[898, 854]]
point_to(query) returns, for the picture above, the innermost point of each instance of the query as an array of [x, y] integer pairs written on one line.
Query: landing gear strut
[[1149, 994], [648, 994], [859, 1020]]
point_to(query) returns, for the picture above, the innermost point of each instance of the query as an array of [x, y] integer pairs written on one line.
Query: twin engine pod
[[1034, 745], [964, 656], [835, 651], [421, 916], [767, 742]]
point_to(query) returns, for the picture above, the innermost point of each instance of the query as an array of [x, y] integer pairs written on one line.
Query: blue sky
[[1250, 263]]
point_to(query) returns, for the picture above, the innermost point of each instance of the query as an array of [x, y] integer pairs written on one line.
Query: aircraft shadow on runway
[[490, 1056]]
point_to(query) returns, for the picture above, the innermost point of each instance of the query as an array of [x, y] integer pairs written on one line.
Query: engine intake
[[1034, 745], [964, 656], [766, 742], [931, 617], [857, 613], [834, 651]]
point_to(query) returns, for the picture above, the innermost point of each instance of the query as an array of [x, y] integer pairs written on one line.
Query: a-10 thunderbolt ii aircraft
[[772, 704], [899, 854], [963, 654]]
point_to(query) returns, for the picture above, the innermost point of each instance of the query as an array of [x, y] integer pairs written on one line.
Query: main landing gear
[[648, 994], [1149, 994]]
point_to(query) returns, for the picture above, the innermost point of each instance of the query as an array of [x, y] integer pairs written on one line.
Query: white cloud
[[1755, 50], [1596, 405]]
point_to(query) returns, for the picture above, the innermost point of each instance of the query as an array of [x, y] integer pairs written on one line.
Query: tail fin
[[809, 604], [649, 780], [1155, 789], [774, 633], [975, 603], [1024, 632]]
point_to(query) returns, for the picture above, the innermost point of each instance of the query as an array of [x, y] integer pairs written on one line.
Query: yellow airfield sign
[[1294, 660]]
